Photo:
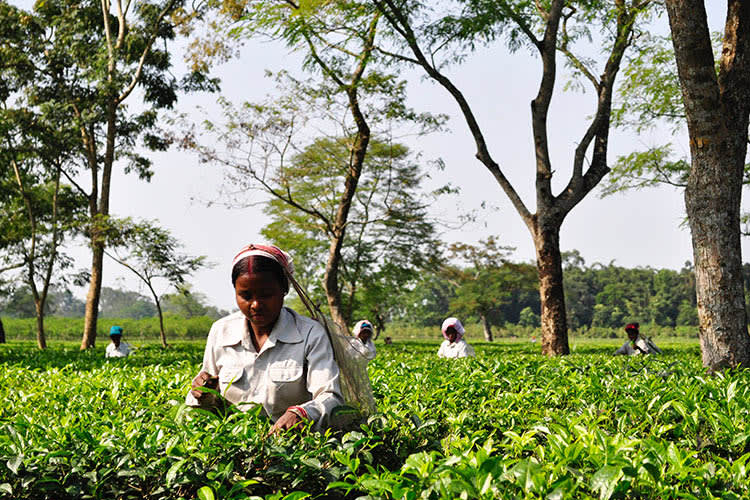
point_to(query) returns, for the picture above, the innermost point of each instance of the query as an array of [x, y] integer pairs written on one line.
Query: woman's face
[[452, 334], [260, 298], [365, 334]]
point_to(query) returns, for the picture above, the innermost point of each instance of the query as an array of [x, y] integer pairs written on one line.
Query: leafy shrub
[[508, 424]]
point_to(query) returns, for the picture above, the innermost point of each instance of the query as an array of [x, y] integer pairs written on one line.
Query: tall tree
[[338, 46], [388, 236], [548, 27], [86, 61], [717, 110], [152, 254]]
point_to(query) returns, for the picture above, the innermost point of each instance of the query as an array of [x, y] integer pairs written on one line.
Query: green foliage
[[68, 73], [19, 303], [490, 280], [390, 236], [509, 424], [116, 303], [650, 97], [600, 296], [529, 318], [644, 169], [649, 91]]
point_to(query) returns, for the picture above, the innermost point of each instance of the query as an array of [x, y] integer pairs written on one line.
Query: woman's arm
[[207, 375]]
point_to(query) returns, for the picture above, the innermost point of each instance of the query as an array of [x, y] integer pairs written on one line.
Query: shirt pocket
[[230, 374], [285, 371]]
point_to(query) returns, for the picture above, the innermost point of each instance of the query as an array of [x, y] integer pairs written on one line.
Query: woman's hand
[[288, 420], [203, 379]]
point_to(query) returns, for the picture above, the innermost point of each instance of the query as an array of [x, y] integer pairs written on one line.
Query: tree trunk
[[331, 281], [161, 322], [92, 299], [379, 324], [550, 207], [2, 332], [717, 117], [486, 327], [549, 266], [41, 339]]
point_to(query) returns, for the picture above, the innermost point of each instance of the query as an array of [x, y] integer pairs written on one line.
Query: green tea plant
[[508, 424]]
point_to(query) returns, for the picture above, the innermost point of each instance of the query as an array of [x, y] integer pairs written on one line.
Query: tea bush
[[508, 424]]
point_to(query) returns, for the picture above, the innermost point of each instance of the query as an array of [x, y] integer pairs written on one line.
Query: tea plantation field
[[508, 424]]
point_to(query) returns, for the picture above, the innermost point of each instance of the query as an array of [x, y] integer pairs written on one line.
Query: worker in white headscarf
[[454, 346], [363, 331]]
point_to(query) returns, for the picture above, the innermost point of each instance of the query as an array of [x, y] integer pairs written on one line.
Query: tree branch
[[147, 48], [400, 23]]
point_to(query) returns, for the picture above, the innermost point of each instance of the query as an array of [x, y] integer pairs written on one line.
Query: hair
[[260, 264]]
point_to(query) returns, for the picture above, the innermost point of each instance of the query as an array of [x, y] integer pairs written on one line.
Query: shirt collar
[[285, 330]]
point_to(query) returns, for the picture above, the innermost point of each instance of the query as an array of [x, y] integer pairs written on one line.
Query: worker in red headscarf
[[637, 343], [267, 354]]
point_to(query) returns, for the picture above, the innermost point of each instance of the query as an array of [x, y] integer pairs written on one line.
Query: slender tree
[[152, 254], [338, 46], [717, 108], [549, 28], [42, 211], [389, 235]]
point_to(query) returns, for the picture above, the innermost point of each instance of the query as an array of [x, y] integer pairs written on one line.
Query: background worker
[[117, 348], [363, 331], [454, 346], [637, 343]]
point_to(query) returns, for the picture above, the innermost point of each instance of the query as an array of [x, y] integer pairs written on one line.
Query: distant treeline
[[596, 297], [196, 328], [600, 300], [114, 303]]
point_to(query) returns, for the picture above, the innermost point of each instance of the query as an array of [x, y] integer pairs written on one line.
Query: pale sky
[[639, 228]]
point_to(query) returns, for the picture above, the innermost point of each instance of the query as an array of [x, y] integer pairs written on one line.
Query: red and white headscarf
[[455, 323], [269, 251]]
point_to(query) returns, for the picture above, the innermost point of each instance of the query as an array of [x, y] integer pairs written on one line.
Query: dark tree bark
[[549, 265], [2, 332], [551, 210], [162, 333], [92, 297], [717, 110]]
